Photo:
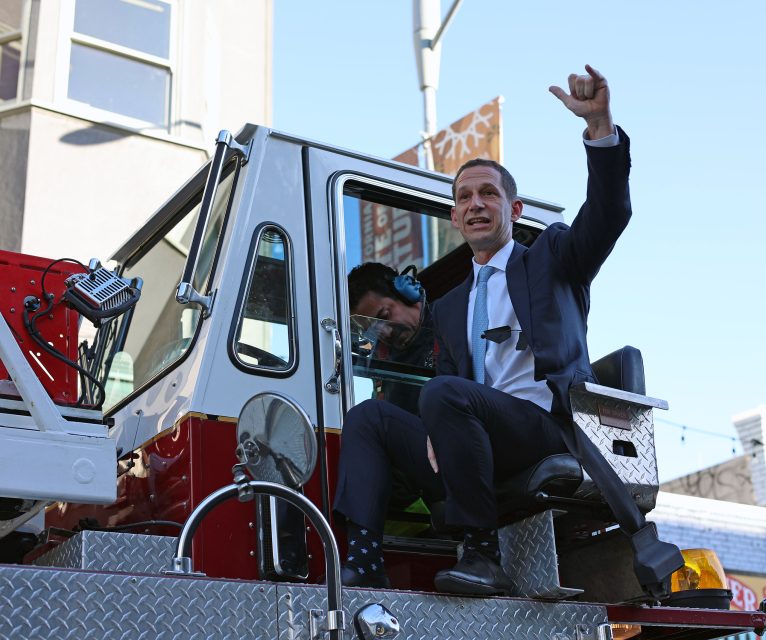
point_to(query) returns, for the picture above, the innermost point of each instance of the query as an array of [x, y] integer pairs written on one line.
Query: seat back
[[620, 424], [622, 369]]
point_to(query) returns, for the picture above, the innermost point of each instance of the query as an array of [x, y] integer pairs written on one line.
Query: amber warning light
[[701, 582]]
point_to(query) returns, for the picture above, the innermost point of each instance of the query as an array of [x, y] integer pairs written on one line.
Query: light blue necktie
[[480, 323]]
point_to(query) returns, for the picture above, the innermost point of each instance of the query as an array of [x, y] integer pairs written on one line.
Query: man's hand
[[431, 455], [588, 98]]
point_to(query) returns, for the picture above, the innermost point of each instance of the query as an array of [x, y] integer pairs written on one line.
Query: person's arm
[[606, 212]]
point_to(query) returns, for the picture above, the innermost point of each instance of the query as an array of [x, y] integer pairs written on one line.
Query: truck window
[[399, 229], [264, 334], [160, 330]]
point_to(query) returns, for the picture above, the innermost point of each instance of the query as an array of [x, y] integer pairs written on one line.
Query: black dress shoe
[[475, 574], [350, 577]]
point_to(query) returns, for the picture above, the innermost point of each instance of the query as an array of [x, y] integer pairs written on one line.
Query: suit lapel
[[518, 289], [460, 328]]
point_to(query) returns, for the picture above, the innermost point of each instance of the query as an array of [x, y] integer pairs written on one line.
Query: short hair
[[506, 179], [370, 276]]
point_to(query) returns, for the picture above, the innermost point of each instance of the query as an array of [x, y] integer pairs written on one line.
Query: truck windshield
[[160, 330]]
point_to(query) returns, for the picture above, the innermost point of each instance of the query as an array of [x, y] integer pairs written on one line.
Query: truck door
[[362, 211]]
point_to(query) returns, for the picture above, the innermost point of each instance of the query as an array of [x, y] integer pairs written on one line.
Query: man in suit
[[499, 405]]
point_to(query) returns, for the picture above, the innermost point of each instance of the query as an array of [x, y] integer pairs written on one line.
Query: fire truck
[[172, 475]]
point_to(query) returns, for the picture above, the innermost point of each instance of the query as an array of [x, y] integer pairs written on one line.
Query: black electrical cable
[[695, 429], [105, 335], [48, 268], [31, 325], [86, 525]]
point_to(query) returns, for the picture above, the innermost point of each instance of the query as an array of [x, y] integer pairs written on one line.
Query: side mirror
[[276, 441]]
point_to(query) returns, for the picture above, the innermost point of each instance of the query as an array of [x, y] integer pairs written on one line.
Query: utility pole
[[429, 28]]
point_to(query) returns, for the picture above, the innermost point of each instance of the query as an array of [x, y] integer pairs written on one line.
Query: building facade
[[724, 508], [108, 106]]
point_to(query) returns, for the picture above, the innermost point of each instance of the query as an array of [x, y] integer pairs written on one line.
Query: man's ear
[[516, 207], [453, 218]]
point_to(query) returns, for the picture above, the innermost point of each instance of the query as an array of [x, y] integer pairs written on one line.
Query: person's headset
[[407, 286]]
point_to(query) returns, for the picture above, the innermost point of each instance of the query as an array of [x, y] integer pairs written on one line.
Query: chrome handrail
[[245, 490]]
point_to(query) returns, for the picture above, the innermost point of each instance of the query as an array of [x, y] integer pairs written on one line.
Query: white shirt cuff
[[611, 140]]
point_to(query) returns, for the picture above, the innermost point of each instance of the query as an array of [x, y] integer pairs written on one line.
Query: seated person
[[393, 325], [397, 324]]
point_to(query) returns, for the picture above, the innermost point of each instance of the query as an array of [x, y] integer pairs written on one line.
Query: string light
[[684, 428]]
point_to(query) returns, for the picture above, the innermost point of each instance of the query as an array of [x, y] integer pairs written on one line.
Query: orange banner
[[395, 237], [477, 135]]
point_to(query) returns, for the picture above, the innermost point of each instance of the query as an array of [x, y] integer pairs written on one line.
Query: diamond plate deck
[[427, 617], [639, 474], [109, 551], [46, 603]]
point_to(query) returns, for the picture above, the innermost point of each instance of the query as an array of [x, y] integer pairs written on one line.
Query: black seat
[[622, 369], [556, 478], [553, 480], [557, 475]]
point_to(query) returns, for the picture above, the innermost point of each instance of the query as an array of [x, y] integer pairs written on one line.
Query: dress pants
[[479, 435], [379, 439]]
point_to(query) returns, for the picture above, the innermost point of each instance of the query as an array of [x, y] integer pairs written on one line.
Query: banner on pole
[[476, 135], [394, 236], [391, 236]]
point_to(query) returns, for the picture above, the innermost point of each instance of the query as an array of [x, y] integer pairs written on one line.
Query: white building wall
[[88, 178], [737, 532], [84, 197], [749, 426]]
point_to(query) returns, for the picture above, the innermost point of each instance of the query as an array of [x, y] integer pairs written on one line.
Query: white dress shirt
[[506, 368]]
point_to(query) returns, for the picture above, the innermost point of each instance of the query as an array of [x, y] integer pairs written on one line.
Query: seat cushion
[[558, 475]]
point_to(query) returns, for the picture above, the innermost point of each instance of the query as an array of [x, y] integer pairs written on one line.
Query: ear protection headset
[[407, 286]]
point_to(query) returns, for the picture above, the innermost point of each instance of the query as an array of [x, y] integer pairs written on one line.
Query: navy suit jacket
[[549, 283]]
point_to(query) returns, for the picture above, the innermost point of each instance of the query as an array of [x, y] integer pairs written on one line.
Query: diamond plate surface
[[43, 604], [639, 474], [528, 551], [426, 617], [46, 603], [109, 551]]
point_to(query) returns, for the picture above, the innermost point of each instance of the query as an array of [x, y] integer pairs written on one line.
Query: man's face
[[482, 212], [402, 320]]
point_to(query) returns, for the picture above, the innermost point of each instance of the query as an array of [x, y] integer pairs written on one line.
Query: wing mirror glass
[[276, 441]]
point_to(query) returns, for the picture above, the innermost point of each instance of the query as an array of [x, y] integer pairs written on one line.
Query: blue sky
[[686, 283]]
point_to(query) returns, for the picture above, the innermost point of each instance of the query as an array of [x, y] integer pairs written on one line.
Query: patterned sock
[[365, 550], [482, 540]]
